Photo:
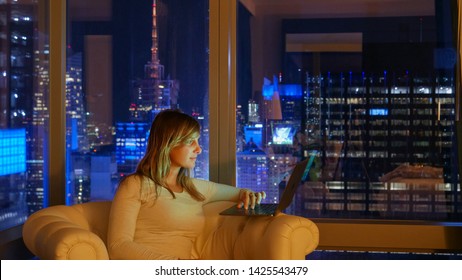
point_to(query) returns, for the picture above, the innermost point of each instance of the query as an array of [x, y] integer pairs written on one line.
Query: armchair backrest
[[96, 215]]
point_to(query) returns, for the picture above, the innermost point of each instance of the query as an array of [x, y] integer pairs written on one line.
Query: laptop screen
[[308, 166], [299, 174]]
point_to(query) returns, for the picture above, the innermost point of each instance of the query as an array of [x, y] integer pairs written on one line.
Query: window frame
[[57, 104]]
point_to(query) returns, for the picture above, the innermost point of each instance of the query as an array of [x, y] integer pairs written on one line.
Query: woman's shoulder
[[136, 185], [132, 181]]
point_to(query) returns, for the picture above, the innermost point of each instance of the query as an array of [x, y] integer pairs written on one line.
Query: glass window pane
[[371, 95], [24, 96], [126, 61]]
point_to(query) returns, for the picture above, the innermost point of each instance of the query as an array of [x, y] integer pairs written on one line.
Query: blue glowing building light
[[12, 151], [378, 112], [290, 90], [268, 91], [131, 141], [293, 90], [253, 135]]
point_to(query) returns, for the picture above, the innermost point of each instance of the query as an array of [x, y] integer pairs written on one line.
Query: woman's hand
[[249, 198]]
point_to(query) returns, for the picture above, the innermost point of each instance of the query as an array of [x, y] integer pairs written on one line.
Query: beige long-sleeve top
[[162, 229]]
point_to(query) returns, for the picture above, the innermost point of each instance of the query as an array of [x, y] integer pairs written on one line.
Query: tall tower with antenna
[[153, 68], [149, 95], [153, 93]]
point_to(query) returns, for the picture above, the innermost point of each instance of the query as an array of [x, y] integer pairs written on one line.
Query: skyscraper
[[153, 93], [24, 81], [150, 95], [76, 123]]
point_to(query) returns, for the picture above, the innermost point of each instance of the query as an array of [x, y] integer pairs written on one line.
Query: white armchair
[[79, 232]]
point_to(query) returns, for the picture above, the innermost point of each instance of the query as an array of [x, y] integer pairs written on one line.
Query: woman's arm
[[244, 197], [122, 224]]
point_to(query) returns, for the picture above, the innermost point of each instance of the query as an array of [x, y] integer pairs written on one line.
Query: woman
[[157, 211]]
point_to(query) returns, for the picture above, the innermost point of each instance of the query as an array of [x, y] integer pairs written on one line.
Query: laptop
[[299, 174]]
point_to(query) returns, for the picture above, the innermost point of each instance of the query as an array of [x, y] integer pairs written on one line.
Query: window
[[24, 117], [126, 61], [372, 94]]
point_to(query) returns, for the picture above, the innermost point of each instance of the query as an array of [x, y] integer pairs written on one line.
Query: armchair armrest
[[279, 237], [62, 232], [285, 237]]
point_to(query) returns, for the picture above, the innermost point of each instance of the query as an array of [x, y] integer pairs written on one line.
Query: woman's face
[[185, 154]]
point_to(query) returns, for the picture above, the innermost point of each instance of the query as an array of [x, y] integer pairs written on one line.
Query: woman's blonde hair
[[169, 129]]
